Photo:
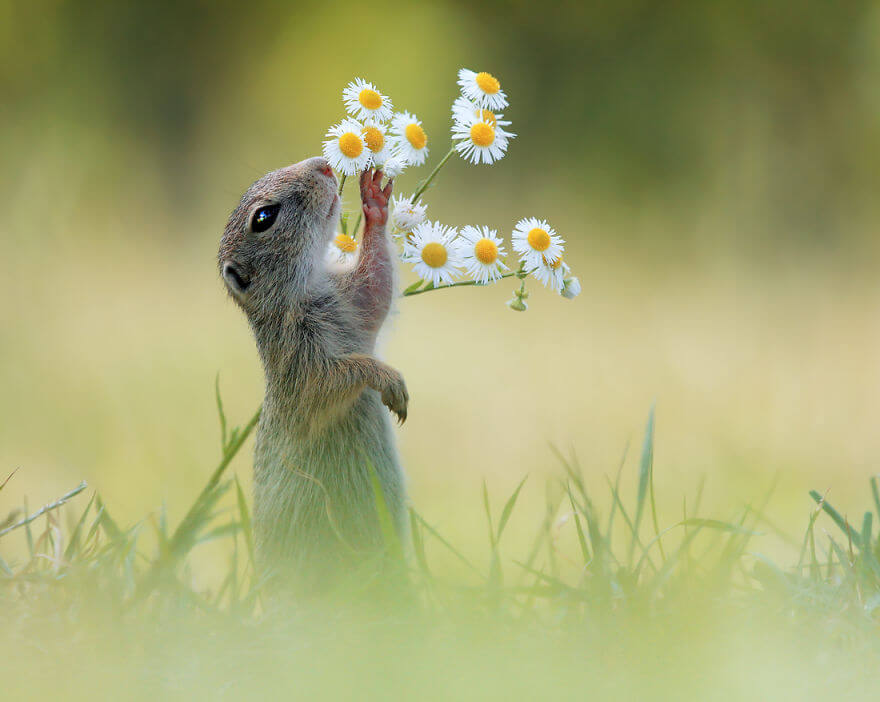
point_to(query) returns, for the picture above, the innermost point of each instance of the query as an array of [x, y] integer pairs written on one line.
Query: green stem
[[458, 285], [342, 183], [522, 275], [424, 186]]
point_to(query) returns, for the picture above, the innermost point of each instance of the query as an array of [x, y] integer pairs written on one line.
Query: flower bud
[[571, 288], [393, 167]]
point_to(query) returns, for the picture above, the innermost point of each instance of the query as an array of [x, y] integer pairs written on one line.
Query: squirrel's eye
[[264, 218]]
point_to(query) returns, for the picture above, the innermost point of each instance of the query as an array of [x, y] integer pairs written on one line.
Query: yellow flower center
[[370, 99], [434, 255], [539, 239], [554, 264], [374, 138], [488, 83], [482, 134], [486, 251], [486, 116], [416, 136], [351, 145], [345, 243]]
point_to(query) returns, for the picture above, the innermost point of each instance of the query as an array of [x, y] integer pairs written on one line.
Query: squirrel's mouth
[[332, 209]]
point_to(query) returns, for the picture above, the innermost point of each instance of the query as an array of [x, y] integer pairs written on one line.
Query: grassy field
[[607, 601]]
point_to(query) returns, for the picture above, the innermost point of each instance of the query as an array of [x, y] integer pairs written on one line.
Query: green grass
[[607, 602]]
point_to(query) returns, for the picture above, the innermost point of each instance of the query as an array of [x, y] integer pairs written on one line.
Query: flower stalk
[[460, 284], [424, 186]]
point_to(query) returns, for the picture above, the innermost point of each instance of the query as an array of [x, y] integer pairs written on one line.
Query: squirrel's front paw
[[374, 198], [395, 397]]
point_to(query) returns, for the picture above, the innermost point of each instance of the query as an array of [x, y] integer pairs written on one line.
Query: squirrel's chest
[[330, 328]]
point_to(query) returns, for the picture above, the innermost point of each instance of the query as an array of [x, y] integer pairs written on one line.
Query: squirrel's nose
[[322, 166]]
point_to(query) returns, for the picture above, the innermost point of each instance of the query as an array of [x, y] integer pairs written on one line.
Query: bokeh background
[[713, 167]]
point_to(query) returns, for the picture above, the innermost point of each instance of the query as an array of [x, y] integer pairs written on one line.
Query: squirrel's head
[[278, 235]]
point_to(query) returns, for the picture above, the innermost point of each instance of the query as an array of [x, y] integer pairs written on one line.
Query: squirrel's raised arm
[[371, 284]]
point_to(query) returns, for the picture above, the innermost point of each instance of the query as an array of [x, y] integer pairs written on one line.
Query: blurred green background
[[712, 165]]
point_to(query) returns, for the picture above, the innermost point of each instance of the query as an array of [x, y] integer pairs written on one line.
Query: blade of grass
[[875, 492], [419, 545], [868, 557], [25, 522], [651, 493], [433, 532], [616, 490], [836, 518], [645, 464], [111, 528], [244, 517], [629, 523], [222, 415], [699, 523], [390, 537], [808, 534], [549, 513], [8, 478], [73, 544], [508, 509], [488, 510], [582, 541]]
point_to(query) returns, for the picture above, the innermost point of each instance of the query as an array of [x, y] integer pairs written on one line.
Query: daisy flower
[[481, 251], [535, 240], [551, 273], [393, 166], [480, 140], [376, 141], [482, 88], [363, 101], [463, 109], [345, 147], [571, 288], [406, 214], [434, 253], [342, 249], [408, 139]]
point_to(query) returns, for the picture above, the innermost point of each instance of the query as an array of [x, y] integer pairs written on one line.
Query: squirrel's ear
[[236, 280]]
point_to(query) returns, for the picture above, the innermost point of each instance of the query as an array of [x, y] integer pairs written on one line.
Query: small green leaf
[[412, 288]]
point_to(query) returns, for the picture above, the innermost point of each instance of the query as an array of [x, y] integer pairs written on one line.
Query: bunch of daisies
[[374, 135]]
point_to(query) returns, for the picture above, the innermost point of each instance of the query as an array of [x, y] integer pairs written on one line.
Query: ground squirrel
[[323, 421]]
